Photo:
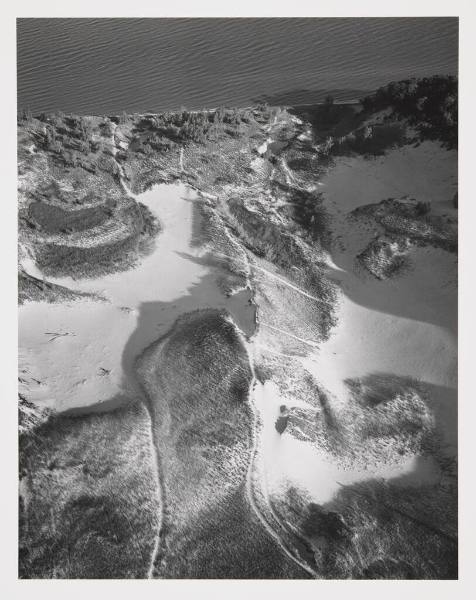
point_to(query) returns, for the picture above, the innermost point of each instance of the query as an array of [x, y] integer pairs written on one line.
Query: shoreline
[[175, 111]]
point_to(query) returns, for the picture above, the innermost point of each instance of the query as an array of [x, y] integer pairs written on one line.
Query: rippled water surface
[[97, 66]]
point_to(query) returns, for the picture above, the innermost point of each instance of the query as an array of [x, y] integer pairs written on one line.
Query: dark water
[[97, 66]]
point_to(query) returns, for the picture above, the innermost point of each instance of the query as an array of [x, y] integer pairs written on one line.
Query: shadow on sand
[[386, 297]]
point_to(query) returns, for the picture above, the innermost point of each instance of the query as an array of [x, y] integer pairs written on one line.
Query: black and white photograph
[[237, 264]]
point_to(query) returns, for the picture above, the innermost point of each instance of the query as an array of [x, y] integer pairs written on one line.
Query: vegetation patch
[[385, 257], [370, 140], [88, 507], [411, 220], [329, 118], [377, 528], [32, 289], [429, 104], [309, 213], [54, 219], [197, 380], [56, 259]]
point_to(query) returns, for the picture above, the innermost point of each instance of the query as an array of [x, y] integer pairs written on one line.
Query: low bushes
[[430, 104]]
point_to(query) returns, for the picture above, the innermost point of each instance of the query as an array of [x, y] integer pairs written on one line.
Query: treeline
[[167, 129], [429, 104]]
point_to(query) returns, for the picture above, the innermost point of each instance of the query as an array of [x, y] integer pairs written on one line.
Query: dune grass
[[197, 379], [54, 219], [399, 528], [56, 259], [89, 503]]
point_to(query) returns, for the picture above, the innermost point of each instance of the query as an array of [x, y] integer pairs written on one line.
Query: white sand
[[404, 327], [69, 367], [407, 325], [163, 275], [427, 173], [289, 462]]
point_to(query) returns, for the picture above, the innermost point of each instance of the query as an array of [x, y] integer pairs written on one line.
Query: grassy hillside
[[88, 503], [203, 435]]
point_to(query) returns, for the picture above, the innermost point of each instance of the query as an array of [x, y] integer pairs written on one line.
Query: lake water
[[105, 66]]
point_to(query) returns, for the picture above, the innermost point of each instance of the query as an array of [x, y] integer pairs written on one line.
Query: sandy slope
[[406, 325], [290, 462], [87, 365], [403, 327], [173, 274], [426, 172], [74, 352]]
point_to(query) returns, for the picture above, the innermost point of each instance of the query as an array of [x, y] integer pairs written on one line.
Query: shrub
[[430, 104], [422, 208]]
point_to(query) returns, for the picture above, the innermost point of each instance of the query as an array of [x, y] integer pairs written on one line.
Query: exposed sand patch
[[163, 275], [73, 350], [403, 327], [370, 340], [142, 308], [407, 325], [290, 462], [427, 172]]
